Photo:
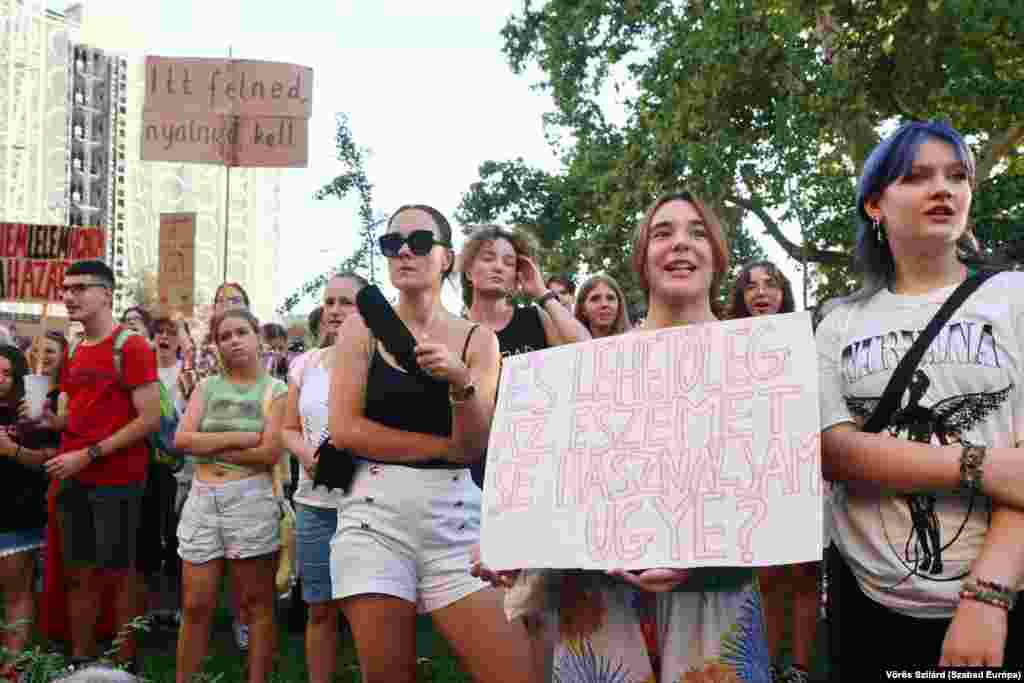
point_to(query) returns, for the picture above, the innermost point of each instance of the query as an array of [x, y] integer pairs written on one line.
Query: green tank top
[[234, 408]]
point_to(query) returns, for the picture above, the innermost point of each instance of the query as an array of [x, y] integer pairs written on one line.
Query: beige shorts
[[234, 520], [407, 532]]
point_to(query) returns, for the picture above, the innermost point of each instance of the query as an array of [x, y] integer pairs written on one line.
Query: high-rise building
[[71, 99], [34, 74], [97, 151]]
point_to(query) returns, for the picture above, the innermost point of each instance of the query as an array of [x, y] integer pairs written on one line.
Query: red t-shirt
[[99, 405]]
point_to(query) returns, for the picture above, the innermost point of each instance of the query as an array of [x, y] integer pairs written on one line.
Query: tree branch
[[794, 250], [998, 147]]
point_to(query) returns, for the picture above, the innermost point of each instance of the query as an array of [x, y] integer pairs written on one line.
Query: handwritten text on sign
[[176, 278], [226, 111], [686, 447], [33, 258]]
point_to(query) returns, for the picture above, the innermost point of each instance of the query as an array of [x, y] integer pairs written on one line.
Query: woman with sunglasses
[[927, 514], [412, 513]]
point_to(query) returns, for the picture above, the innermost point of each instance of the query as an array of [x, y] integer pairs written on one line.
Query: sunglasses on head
[[420, 243]]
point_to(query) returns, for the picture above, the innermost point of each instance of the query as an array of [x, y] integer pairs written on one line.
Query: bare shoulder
[[460, 330], [353, 333]]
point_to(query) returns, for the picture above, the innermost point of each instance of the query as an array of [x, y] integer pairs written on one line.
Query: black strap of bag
[[878, 421], [890, 400]]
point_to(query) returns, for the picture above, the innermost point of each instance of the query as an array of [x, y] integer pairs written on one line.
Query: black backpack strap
[[890, 400]]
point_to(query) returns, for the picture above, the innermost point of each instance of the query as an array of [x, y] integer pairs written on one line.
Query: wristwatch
[[544, 298], [462, 395], [95, 452]]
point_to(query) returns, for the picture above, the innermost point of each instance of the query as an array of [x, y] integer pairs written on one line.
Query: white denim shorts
[[234, 520], [407, 533]]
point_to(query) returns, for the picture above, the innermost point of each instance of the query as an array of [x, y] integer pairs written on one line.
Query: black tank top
[[524, 333], [400, 400]]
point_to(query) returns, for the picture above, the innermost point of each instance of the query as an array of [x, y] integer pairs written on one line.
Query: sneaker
[[241, 635], [795, 674]]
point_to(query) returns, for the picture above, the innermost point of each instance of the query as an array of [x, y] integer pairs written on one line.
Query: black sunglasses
[[420, 243]]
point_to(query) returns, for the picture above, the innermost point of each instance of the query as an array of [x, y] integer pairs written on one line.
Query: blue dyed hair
[[889, 161]]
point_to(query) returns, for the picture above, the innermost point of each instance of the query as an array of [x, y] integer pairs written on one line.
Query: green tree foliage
[[354, 179], [767, 108]]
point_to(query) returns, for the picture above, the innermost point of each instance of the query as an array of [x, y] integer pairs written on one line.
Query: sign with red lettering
[[226, 111], [33, 258], [692, 446]]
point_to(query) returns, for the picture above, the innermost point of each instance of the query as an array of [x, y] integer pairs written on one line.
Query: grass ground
[[226, 663], [437, 665]]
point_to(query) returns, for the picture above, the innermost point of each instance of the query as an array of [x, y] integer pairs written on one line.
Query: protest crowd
[[146, 471]]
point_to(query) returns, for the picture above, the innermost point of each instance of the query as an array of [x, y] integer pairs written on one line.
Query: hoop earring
[[876, 223]]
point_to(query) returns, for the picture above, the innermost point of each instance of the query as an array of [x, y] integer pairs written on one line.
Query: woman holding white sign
[[925, 451], [412, 513], [662, 624]]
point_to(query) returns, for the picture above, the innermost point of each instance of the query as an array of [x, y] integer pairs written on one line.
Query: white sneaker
[[241, 635]]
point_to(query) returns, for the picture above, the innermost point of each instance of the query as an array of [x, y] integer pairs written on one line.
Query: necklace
[[423, 332]]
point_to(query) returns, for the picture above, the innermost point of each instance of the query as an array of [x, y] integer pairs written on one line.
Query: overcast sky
[[425, 84]]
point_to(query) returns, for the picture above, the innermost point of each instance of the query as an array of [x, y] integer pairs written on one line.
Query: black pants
[[878, 638], [157, 527]]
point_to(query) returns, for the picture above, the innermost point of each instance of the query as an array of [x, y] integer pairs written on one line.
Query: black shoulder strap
[[465, 347], [901, 376]]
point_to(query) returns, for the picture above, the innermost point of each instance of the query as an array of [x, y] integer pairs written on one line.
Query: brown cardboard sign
[[176, 280], [224, 111]]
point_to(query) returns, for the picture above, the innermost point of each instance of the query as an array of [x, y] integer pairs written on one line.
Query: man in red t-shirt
[[102, 458]]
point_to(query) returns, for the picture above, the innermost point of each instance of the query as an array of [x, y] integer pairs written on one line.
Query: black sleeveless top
[[400, 400], [24, 487], [524, 333]]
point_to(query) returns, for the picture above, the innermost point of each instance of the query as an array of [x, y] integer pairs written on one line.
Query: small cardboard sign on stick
[[176, 278], [685, 447]]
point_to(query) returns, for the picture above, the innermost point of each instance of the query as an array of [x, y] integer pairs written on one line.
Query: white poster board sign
[[693, 446]]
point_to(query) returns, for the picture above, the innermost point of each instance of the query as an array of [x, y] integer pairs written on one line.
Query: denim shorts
[[21, 541], [234, 520], [314, 529], [99, 524]]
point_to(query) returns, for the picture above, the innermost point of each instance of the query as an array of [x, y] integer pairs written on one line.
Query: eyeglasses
[[78, 289], [232, 301], [420, 243]]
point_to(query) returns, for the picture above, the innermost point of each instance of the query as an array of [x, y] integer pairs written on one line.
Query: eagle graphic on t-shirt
[[945, 422]]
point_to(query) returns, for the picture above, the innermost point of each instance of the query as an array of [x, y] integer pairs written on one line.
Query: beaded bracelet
[[971, 460], [988, 592]]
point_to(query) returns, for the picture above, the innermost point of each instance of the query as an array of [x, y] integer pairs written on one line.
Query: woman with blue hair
[[927, 513]]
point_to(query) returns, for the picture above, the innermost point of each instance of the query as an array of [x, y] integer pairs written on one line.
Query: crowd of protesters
[[160, 464]]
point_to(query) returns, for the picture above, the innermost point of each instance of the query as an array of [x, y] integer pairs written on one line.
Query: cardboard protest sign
[[33, 258], [176, 278], [685, 447], [216, 139], [224, 111]]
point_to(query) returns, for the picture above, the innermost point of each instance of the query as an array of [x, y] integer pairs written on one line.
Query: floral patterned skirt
[[613, 633]]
